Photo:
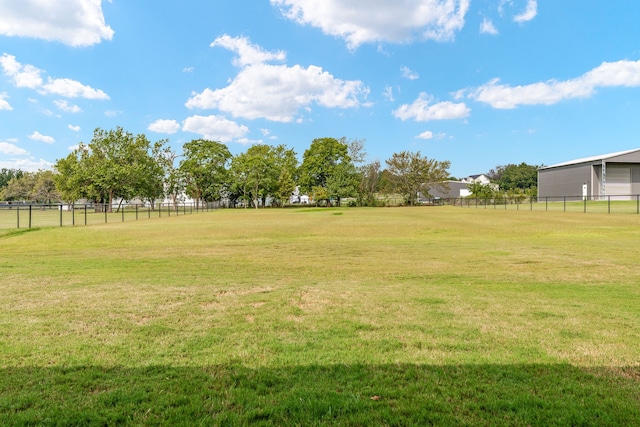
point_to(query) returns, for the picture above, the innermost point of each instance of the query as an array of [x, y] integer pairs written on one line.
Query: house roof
[[592, 159]]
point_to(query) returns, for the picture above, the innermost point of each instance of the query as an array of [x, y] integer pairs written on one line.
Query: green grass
[[444, 315]]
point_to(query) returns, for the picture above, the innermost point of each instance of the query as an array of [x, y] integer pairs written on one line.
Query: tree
[[252, 173], [343, 182], [153, 171], [286, 187], [20, 188], [511, 176], [204, 168], [71, 178], [174, 185], [327, 164], [320, 160], [285, 171], [413, 173], [370, 176], [44, 189], [481, 191], [7, 175], [115, 164]]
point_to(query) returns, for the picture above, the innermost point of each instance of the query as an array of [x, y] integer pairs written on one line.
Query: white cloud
[[23, 75], [267, 134], [215, 128], [609, 74], [37, 136], [66, 107], [164, 126], [530, 12], [370, 21], [187, 70], [425, 135], [275, 92], [487, 27], [388, 93], [421, 110], [30, 77], [4, 104], [74, 128], [72, 22], [248, 54], [430, 135], [245, 141], [409, 74], [27, 165], [112, 113], [72, 89], [12, 150]]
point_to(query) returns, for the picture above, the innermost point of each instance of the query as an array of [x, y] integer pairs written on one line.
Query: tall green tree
[[512, 176], [115, 164], [253, 170], [44, 189], [286, 187], [320, 160], [327, 164], [174, 185], [413, 173], [370, 177], [204, 168], [343, 182], [7, 174], [20, 188], [72, 180]]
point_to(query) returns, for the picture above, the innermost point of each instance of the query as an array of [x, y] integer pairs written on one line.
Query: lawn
[[389, 316]]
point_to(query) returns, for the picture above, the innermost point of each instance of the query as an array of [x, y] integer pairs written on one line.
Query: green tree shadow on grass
[[351, 395]]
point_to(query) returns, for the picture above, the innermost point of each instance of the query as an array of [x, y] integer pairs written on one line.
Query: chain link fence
[[629, 204], [26, 215]]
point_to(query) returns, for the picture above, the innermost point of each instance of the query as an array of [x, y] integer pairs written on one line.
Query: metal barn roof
[[592, 159]]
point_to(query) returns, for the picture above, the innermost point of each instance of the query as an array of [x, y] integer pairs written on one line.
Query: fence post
[[122, 211], [85, 214], [104, 206], [546, 203], [585, 205], [564, 199], [136, 211], [18, 213], [608, 204], [60, 215], [30, 210], [637, 203]]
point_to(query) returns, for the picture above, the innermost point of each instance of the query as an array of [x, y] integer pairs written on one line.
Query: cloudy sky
[[477, 82]]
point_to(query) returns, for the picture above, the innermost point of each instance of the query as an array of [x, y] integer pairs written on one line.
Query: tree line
[[117, 165]]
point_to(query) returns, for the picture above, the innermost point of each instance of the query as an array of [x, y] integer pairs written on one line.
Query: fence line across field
[[25, 215], [596, 204]]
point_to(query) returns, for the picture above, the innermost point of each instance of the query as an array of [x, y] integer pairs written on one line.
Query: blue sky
[[480, 83]]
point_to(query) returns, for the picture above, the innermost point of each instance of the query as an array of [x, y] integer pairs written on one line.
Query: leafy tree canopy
[[412, 173], [512, 176]]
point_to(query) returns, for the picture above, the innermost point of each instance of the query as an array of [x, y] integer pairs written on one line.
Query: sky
[[479, 83]]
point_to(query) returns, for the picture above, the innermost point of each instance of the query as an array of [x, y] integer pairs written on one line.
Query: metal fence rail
[[595, 204], [23, 215]]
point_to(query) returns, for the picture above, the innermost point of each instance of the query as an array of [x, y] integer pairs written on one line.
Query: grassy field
[[394, 316]]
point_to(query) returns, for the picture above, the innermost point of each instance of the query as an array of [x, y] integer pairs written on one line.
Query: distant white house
[[297, 198], [455, 189], [482, 179]]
